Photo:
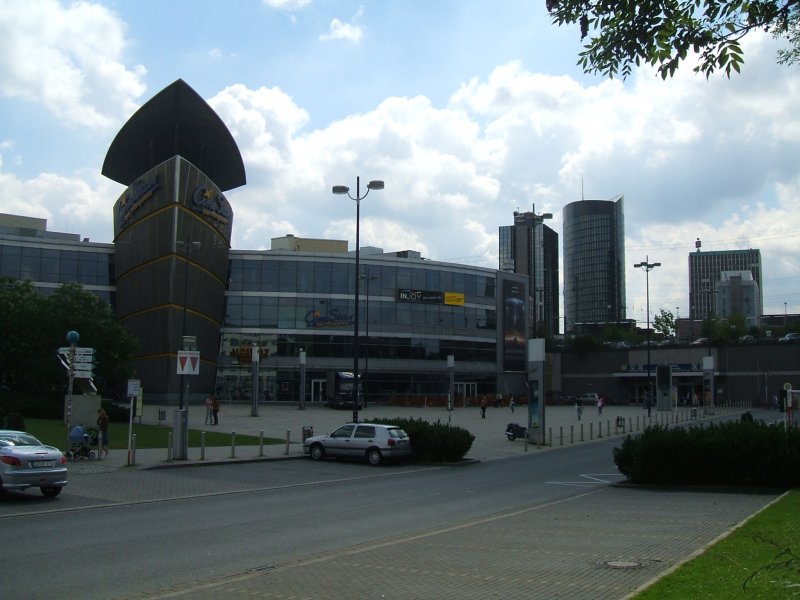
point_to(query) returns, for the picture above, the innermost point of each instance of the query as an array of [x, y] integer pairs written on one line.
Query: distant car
[[700, 342], [589, 398], [26, 462], [791, 337], [371, 441], [747, 339]]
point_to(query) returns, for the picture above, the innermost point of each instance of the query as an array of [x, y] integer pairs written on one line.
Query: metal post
[[255, 356], [451, 369], [302, 359]]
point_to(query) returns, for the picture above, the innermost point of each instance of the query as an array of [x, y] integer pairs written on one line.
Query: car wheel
[[50, 491], [317, 452], [374, 456]]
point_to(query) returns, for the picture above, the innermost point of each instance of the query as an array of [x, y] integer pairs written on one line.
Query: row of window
[[50, 265], [309, 277], [328, 313], [337, 346]]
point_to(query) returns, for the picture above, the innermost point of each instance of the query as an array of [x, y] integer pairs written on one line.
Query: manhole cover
[[623, 564]]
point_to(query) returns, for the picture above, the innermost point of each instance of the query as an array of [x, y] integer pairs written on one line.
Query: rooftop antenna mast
[[582, 198]]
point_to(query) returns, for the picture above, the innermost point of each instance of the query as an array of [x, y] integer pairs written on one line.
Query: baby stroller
[[80, 442]]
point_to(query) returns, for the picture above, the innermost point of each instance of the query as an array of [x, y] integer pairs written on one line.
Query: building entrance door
[[464, 390], [318, 390]]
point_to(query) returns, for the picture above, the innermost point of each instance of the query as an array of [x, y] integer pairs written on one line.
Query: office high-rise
[[594, 262], [529, 247], [714, 291]]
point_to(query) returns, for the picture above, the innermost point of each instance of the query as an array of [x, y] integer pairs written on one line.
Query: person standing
[[498, 400], [484, 402], [600, 405], [102, 438], [215, 409], [512, 403], [579, 409], [209, 410]]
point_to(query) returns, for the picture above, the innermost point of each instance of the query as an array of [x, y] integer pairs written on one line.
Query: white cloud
[[68, 60], [287, 5]]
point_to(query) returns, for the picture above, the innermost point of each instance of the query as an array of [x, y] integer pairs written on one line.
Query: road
[[121, 533]]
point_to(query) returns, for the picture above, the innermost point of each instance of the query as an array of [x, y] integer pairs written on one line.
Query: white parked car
[[25, 462], [371, 441]]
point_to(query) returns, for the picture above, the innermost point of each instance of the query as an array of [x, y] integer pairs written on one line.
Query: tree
[[664, 323], [35, 327], [663, 32]]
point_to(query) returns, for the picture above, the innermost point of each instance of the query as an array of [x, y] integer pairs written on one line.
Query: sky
[[467, 109]]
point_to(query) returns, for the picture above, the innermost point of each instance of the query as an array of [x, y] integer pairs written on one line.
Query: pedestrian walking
[[102, 436], [484, 402], [579, 409], [215, 409], [600, 404], [498, 401], [209, 410], [511, 403]]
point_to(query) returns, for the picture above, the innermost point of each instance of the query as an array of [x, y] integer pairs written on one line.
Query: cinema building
[[176, 284]]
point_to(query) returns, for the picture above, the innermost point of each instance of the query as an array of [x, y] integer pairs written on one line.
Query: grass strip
[[54, 432], [760, 560]]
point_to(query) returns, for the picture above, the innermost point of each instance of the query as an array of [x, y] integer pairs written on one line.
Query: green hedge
[[438, 441], [731, 453]]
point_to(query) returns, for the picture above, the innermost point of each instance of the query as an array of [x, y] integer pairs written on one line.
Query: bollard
[[169, 446], [261, 443], [630, 423], [288, 438], [560, 435], [572, 434], [550, 436], [581, 431], [202, 445], [591, 432], [133, 450], [233, 444], [608, 428]]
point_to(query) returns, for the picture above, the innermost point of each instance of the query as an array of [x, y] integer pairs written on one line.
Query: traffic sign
[[84, 351], [188, 362], [81, 374]]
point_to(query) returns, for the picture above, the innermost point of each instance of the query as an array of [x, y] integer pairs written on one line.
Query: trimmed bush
[[730, 453], [15, 421], [437, 442]]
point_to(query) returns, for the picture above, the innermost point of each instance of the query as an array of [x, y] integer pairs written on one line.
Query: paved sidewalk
[[283, 422], [605, 542]]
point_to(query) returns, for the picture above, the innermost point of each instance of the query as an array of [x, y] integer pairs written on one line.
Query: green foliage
[[664, 33], [35, 326], [664, 323], [41, 406], [438, 441], [731, 453], [15, 421], [584, 344]]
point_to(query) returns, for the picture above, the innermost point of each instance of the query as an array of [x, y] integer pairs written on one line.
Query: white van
[[589, 398]]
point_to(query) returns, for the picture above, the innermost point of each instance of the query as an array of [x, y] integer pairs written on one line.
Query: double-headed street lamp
[[647, 266], [343, 189]]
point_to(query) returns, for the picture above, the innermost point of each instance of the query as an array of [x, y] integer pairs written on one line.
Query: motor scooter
[[515, 430]]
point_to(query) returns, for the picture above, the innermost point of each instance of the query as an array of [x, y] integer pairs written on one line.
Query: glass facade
[[594, 257]]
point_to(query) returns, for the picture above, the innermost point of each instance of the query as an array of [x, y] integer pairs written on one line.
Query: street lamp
[[367, 277], [647, 266], [344, 190], [188, 247]]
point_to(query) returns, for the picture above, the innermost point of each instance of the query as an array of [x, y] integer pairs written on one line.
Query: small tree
[[664, 323]]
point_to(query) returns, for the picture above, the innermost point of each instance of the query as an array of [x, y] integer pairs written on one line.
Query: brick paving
[[604, 543]]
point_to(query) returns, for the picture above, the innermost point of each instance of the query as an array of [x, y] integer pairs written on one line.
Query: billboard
[[514, 320]]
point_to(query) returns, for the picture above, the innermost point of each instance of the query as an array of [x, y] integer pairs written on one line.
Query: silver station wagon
[[371, 441]]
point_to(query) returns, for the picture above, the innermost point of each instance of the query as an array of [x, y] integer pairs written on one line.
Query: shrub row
[[437, 442], [730, 453]]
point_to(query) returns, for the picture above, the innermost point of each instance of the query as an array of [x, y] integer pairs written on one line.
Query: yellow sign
[[454, 299]]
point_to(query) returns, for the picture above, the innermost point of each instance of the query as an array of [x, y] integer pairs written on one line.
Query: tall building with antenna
[[594, 262], [529, 247]]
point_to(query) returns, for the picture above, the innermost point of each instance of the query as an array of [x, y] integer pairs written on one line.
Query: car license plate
[[43, 463]]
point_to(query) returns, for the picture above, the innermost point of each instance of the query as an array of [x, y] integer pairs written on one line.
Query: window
[[365, 431]]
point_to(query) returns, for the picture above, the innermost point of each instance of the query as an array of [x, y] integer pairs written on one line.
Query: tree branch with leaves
[[629, 33]]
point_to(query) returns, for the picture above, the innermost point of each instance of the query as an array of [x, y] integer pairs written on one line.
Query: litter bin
[[693, 413], [162, 414], [308, 431]]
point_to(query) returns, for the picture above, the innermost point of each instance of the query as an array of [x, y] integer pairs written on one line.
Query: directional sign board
[[188, 362]]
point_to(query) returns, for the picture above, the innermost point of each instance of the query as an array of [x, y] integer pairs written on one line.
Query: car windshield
[[18, 439]]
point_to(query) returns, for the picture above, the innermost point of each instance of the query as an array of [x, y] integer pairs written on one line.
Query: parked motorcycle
[[515, 430]]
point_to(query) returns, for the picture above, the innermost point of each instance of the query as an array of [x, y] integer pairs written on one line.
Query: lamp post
[[647, 266], [343, 189], [188, 247], [367, 277]]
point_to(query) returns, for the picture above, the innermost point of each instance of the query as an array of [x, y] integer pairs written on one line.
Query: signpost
[[134, 391]]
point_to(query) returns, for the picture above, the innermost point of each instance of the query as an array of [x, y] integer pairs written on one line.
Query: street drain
[[623, 564]]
